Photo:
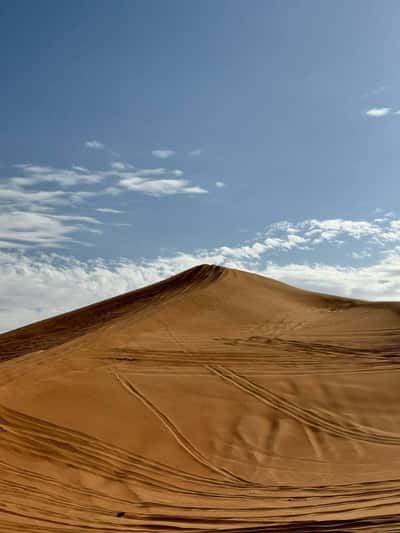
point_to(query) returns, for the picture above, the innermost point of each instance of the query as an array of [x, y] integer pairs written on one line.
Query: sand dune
[[216, 400]]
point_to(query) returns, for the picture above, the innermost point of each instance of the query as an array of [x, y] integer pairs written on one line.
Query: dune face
[[215, 400]]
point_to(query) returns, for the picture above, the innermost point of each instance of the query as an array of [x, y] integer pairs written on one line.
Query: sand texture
[[216, 400]]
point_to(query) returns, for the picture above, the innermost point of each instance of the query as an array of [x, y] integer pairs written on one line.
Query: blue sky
[[140, 137]]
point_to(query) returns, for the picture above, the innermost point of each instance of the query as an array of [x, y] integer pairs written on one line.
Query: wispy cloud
[[28, 199], [155, 181], [154, 172], [20, 229], [108, 210], [219, 184], [44, 187], [160, 187], [378, 112], [363, 254], [94, 145], [34, 197], [118, 165], [163, 154], [34, 174], [194, 153]]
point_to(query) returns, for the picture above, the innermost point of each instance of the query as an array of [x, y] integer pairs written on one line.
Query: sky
[[141, 137]]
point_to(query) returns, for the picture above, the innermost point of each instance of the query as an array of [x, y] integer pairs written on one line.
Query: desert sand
[[216, 400]]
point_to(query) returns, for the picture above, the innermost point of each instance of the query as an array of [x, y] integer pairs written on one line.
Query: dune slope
[[216, 400]]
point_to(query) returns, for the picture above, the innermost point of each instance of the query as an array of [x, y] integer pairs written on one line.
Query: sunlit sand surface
[[216, 400]]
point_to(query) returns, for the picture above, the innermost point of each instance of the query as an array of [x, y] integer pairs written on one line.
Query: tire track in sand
[[177, 434], [306, 416]]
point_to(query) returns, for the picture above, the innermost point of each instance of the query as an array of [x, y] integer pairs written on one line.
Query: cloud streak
[[34, 197], [108, 210], [378, 112], [94, 145], [23, 230], [159, 187], [40, 187], [163, 154], [36, 174]]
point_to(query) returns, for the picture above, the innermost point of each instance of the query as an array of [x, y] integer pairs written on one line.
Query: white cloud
[[363, 254], [193, 190], [32, 186], [118, 165], [318, 231], [113, 191], [28, 229], [163, 154], [149, 181], [35, 174], [194, 153], [219, 184], [108, 210], [94, 145], [159, 187], [153, 172], [30, 198], [290, 242], [378, 112], [378, 281]]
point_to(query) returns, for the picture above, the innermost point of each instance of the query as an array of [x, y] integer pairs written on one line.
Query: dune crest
[[216, 400]]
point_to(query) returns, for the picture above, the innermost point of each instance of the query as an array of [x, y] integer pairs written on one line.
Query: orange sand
[[216, 400]]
